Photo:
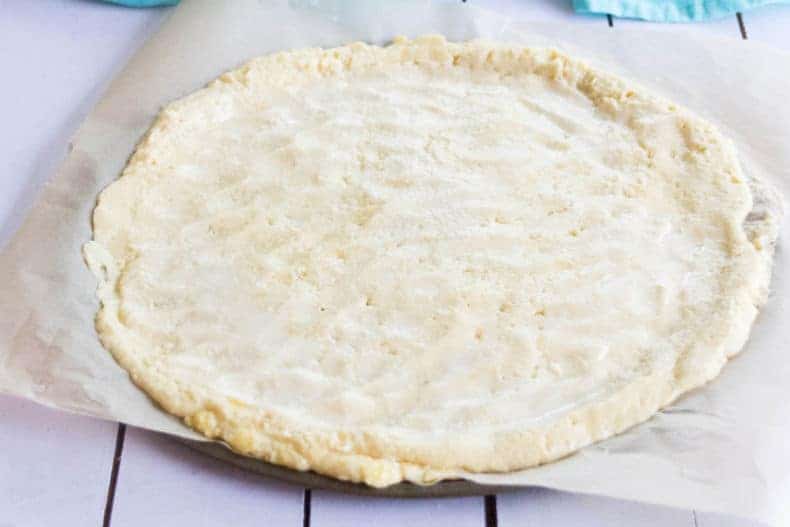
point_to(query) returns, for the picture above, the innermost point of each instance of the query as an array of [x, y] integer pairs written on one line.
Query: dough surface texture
[[403, 262]]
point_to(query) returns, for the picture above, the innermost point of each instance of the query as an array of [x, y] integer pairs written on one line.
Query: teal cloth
[[143, 3], [669, 10]]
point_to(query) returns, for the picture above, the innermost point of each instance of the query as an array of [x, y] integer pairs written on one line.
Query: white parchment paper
[[721, 448]]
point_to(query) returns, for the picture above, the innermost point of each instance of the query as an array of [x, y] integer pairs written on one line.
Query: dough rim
[[373, 458]]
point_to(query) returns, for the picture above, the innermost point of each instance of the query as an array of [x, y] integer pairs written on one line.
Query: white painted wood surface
[[547, 507], [55, 468], [330, 509], [56, 56], [164, 482], [769, 25]]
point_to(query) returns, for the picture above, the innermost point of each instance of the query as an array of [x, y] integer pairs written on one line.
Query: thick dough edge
[[375, 458]]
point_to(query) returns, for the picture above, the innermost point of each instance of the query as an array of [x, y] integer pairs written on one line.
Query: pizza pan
[[311, 480]]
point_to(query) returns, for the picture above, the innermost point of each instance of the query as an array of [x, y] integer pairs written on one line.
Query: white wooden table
[[60, 469]]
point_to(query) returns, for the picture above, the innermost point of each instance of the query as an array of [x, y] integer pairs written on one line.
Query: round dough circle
[[412, 261]]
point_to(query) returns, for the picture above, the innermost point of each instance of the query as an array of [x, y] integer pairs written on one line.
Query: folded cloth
[[142, 3], [669, 10]]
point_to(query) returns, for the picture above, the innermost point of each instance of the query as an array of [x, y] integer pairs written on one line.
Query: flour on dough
[[403, 262]]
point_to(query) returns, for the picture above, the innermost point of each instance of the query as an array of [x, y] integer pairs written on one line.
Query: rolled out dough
[[399, 263]]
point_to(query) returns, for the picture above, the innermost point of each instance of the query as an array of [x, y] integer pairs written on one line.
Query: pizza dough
[[407, 262]]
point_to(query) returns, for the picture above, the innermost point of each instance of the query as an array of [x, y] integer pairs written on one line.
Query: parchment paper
[[721, 448]]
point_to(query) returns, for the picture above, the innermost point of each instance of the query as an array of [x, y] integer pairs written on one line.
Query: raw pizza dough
[[413, 261]]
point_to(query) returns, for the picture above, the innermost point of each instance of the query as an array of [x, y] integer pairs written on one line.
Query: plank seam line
[[116, 467], [491, 515], [741, 26], [306, 501]]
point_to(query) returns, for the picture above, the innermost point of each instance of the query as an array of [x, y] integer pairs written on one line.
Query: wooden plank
[[769, 25], [709, 519], [330, 509], [54, 466], [59, 55], [537, 506], [164, 482]]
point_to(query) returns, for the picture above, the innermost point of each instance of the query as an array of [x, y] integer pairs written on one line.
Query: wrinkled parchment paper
[[725, 447]]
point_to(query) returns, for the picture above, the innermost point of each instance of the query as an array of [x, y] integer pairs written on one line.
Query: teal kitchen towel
[[142, 3], [669, 10]]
